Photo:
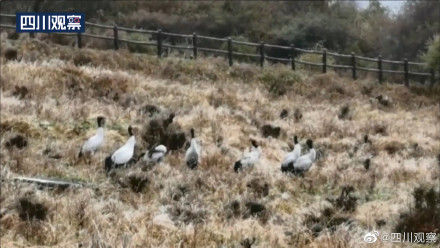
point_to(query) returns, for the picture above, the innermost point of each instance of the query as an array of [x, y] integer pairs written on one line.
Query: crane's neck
[[256, 150], [131, 141], [195, 145], [312, 154], [100, 131], [297, 147]]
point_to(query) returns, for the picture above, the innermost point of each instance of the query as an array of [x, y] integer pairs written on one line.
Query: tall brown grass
[[168, 205]]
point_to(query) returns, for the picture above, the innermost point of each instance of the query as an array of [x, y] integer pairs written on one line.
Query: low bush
[[424, 216], [432, 56], [10, 53], [278, 81], [29, 209]]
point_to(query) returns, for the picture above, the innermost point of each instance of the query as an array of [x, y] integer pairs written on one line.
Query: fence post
[[159, 43], [353, 66], [115, 37], [405, 68], [292, 55], [261, 54], [195, 45], [324, 61], [230, 51], [432, 77], [79, 40], [379, 67]]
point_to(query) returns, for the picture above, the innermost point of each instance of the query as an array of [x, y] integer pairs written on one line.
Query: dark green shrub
[[432, 56]]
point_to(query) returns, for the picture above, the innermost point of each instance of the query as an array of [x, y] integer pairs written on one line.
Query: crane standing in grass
[[155, 155], [94, 142], [123, 155], [291, 157], [303, 163], [250, 158]]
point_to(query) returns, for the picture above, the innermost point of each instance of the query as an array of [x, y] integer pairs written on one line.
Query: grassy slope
[[232, 103]]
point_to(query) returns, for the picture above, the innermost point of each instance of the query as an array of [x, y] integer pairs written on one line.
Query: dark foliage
[[379, 129], [186, 214], [297, 115], [233, 209], [343, 112], [82, 59], [284, 113], [269, 130], [158, 131], [13, 35], [383, 100], [367, 164], [11, 54], [29, 209], [150, 110], [17, 141], [329, 219], [20, 92], [424, 216], [174, 141], [179, 192], [381, 223], [346, 201], [246, 210], [393, 147], [137, 182], [366, 139], [336, 25], [259, 187], [278, 89], [247, 243], [255, 209], [108, 164]]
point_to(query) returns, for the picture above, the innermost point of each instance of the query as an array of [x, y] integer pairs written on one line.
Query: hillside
[[336, 25], [51, 96]]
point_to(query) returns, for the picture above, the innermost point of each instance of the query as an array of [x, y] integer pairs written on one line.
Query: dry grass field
[[51, 96]]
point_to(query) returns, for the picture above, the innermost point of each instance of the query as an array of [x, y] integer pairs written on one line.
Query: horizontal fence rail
[[212, 38], [212, 50], [97, 36], [138, 30], [161, 40], [367, 59], [251, 55], [7, 15], [7, 26], [339, 55], [137, 42], [245, 43]]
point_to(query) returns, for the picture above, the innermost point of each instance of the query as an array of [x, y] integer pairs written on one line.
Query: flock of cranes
[[293, 162]]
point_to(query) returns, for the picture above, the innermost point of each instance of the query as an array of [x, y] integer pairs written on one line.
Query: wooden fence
[[261, 54]]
